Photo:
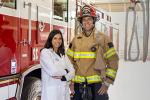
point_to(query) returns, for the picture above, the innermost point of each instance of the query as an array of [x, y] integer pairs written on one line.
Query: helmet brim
[[79, 18]]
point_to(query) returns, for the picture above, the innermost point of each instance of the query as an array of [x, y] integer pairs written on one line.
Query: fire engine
[[24, 27]]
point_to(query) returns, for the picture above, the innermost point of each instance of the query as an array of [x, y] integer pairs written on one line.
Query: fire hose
[[134, 32]]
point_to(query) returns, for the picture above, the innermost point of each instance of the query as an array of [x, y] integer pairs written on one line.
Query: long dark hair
[[48, 44]]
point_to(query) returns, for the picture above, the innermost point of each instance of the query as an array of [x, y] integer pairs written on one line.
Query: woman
[[57, 70]]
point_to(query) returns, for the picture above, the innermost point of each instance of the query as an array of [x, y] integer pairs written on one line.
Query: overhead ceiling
[[113, 5], [111, 1], [108, 5]]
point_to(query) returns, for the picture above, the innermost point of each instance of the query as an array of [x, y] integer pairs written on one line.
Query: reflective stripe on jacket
[[89, 79], [81, 54]]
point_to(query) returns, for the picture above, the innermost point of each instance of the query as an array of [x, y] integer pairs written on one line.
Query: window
[[60, 10], [8, 3]]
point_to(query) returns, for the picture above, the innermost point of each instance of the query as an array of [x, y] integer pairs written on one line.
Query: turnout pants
[[92, 92]]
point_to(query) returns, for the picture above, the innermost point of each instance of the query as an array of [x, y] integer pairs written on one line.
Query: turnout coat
[[54, 65], [93, 57]]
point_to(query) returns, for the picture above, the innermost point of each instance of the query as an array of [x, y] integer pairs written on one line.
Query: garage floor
[[132, 81]]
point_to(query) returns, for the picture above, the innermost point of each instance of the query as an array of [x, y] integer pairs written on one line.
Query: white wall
[[132, 81], [119, 17]]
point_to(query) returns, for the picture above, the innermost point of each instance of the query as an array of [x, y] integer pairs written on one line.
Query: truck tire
[[31, 89]]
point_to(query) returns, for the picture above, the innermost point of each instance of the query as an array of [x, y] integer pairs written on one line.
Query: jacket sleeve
[[111, 58], [71, 72], [48, 66], [70, 52]]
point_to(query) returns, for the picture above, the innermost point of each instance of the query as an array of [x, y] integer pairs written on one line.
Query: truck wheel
[[31, 89]]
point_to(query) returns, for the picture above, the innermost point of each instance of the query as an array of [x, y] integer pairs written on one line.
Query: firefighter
[[94, 58]]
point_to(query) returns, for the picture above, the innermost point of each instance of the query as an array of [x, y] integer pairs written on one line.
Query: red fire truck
[[24, 27]]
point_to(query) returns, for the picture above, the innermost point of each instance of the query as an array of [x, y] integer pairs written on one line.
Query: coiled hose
[[134, 31]]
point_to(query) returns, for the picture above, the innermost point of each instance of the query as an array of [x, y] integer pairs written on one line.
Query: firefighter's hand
[[57, 77], [103, 89], [72, 89]]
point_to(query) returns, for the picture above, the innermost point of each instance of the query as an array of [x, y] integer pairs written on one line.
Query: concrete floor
[[132, 81]]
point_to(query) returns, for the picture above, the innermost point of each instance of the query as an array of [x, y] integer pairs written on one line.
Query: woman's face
[[56, 41]]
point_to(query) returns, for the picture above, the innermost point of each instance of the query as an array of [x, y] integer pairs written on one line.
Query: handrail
[[146, 34], [29, 16]]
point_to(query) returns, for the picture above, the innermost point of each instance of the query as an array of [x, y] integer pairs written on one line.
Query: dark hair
[[48, 43]]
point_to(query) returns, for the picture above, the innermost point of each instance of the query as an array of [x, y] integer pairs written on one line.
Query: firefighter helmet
[[87, 11]]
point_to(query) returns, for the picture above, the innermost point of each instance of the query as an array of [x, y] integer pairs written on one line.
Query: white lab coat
[[54, 65]]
